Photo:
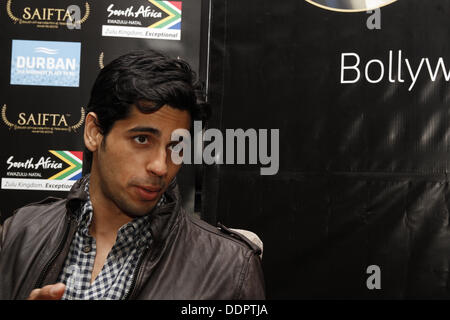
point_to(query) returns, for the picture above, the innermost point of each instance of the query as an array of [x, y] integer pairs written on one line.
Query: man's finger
[[50, 292]]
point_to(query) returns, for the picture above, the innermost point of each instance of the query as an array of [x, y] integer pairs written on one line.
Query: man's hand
[[50, 292]]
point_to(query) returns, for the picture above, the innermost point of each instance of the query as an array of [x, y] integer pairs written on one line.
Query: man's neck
[[107, 218]]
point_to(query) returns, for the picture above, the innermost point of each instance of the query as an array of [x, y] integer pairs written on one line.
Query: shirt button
[[87, 249]]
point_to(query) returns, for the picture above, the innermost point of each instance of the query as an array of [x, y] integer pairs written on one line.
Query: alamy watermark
[[373, 282], [211, 146], [74, 22], [374, 20]]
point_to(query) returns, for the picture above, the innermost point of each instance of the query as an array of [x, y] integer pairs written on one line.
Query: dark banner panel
[[52, 52], [359, 205]]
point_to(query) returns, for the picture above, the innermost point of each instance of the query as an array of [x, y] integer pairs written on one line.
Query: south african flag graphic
[[75, 161], [173, 20]]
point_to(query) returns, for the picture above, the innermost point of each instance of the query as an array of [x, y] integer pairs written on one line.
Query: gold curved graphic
[[101, 64], [5, 120], [9, 11], [86, 14], [79, 123], [350, 5]]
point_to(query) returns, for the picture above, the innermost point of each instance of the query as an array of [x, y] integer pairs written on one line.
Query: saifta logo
[[350, 5], [43, 122], [46, 17]]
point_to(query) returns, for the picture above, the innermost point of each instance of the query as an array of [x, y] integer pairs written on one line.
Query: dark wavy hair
[[144, 75]]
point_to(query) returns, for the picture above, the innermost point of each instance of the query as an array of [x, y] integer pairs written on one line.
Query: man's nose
[[157, 164]]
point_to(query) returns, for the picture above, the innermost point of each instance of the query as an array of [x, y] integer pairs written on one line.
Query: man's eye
[[141, 139]]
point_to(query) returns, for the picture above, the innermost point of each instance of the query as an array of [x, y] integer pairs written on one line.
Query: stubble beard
[[125, 204]]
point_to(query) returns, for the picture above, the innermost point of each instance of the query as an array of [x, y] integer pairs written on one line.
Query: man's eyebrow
[[152, 130]]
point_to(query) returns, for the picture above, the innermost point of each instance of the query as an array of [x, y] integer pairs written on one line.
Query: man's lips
[[148, 193], [151, 188]]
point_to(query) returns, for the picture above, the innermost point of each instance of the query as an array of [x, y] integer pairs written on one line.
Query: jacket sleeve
[[3, 230], [253, 286]]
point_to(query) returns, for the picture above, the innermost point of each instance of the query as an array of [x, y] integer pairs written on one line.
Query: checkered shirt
[[114, 280]]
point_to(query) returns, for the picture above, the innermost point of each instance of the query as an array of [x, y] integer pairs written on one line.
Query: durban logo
[[350, 5]]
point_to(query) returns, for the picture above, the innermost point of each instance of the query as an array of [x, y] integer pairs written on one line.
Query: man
[[122, 233]]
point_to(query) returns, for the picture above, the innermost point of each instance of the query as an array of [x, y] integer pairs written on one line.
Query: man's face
[[133, 165]]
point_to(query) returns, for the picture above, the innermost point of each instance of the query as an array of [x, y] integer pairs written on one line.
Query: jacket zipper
[[39, 281], [138, 270], [136, 273]]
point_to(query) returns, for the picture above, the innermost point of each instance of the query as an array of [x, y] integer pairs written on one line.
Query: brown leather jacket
[[186, 258]]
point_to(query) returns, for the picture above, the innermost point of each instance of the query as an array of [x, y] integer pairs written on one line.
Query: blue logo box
[[45, 63]]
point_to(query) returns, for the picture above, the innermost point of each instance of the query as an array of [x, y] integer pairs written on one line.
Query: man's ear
[[92, 133]]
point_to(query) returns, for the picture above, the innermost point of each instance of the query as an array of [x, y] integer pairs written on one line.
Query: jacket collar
[[163, 218], [77, 196]]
